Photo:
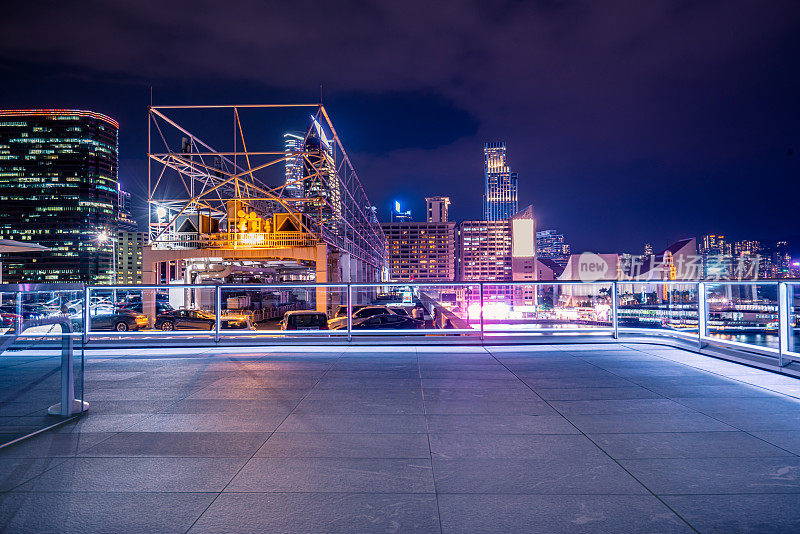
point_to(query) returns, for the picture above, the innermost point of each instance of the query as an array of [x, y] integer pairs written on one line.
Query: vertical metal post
[[67, 373], [784, 330], [217, 312], [480, 293], [349, 312], [86, 312], [702, 324], [18, 326], [614, 310]]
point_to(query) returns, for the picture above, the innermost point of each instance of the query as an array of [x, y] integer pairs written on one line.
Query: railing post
[[218, 310], [702, 324], [614, 310], [784, 328], [86, 313], [18, 326], [480, 293], [349, 312]]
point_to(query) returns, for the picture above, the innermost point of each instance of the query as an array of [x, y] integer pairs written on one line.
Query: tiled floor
[[563, 438]]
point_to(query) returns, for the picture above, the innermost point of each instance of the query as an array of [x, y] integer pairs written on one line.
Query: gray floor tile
[[179, 444], [326, 445], [16, 471], [722, 514], [349, 424], [476, 514], [620, 406], [51, 445], [534, 446], [334, 475], [101, 512], [685, 445], [594, 393], [635, 423], [500, 424], [137, 475], [483, 406], [785, 439], [210, 422], [320, 512], [716, 475], [316, 405], [531, 476]]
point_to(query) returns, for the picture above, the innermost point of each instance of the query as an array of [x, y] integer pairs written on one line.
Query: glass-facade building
[[500, 188], [58, 188]]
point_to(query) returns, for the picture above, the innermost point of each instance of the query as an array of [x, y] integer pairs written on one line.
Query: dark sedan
[[197, 320], [107, 318], [388, 321]]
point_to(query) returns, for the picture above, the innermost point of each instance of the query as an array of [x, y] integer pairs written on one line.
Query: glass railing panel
[[661, 306], [8, 310], [518, 308], [283, 310], [31, 365], [794, 318], [743, 312], [170, 309], [416, 309]]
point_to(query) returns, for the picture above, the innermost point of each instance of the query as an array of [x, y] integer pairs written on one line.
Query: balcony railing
[[757, 317]]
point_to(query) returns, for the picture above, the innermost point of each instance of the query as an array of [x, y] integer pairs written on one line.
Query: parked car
[[388, 321], [399, 310], [110, 318], [199, 320], [136, 305], [304, 320], [363, 312]]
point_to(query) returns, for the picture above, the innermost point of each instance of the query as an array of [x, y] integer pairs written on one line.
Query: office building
[[715, 257], [420, 252], [437, 209], [125, 219], [550, 245], [293, 150], [129, 246], [58, 188], [499, 251], [500, 184]]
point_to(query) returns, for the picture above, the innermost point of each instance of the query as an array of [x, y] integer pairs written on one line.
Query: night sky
[[628, 122]]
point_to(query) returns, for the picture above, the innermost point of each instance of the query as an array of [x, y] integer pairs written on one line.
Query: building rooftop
[[558, 438]]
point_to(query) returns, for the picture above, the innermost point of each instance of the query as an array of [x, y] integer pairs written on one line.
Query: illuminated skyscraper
[[58, 188], [293, 146], [500, 193]]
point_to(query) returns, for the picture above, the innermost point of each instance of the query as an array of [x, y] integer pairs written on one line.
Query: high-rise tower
[[58, 188], [500, 192]]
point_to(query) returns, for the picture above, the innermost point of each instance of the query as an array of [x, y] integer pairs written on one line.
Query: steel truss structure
[[187, 176]]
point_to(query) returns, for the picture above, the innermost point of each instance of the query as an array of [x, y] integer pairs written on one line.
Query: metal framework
[[187, 176]]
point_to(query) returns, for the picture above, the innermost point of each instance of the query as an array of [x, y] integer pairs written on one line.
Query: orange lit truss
[[186, 175]]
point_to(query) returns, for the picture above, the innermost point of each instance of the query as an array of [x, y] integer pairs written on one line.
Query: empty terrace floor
[[560, 438]]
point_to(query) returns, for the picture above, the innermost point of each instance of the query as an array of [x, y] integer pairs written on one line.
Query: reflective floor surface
[[561, 438]]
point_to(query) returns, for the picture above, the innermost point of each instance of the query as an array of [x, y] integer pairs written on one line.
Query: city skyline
[[682, 134]]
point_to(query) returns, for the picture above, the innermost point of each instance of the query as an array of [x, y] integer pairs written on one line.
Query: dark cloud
[[628, 121]]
